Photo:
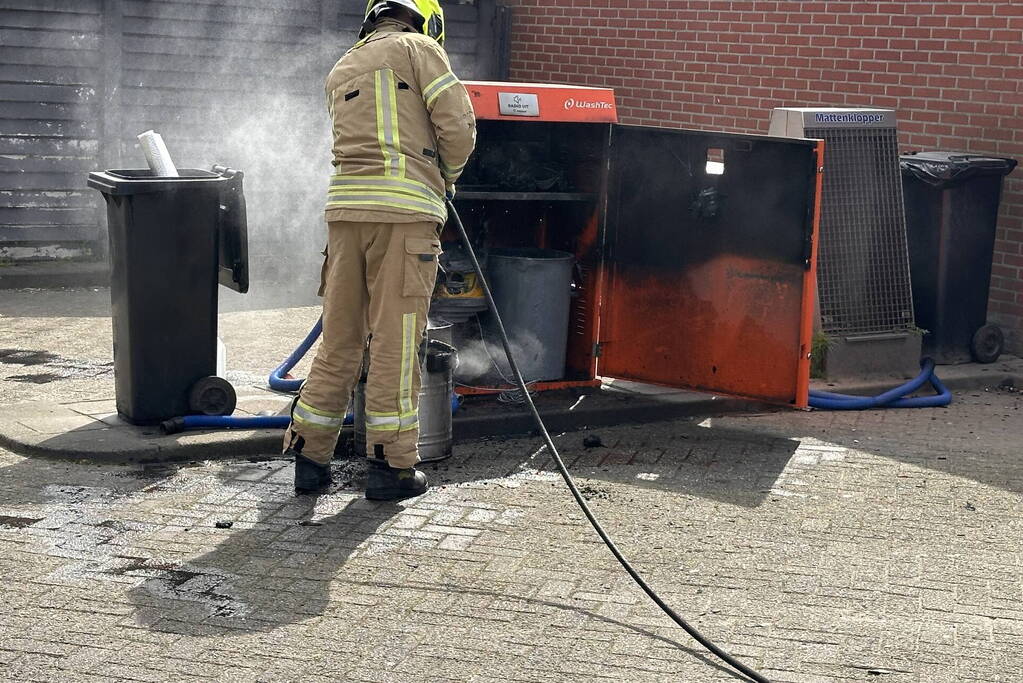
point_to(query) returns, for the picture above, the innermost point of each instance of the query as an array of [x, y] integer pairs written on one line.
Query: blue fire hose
[[893, 398], [277, 382], [179, 424]]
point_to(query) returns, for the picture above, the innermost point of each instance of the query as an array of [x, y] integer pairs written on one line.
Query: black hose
[[724, 656]]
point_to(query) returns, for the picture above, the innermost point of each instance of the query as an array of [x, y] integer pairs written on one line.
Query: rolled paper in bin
[[159, 158]]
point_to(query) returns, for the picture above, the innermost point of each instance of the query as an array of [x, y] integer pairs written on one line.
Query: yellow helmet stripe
[[428, 11]]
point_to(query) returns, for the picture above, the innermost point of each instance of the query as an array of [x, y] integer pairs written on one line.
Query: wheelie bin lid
[[944, 169], [142, 181], [232, 223]]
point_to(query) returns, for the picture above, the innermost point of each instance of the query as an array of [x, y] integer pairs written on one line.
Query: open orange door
[[710, 261]]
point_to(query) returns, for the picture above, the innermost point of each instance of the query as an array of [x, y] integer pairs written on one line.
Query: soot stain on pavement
[[18, 522], [41, 378], [77, 528], [23, 357], [225, 588], [349, 473], [590, 492], [228, 587], [59, 366]]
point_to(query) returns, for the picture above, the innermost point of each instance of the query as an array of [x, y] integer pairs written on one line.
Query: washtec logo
[[572, 103], [849, 117]]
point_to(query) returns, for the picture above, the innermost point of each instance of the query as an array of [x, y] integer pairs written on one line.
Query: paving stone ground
[[876, 546], [880, 546]]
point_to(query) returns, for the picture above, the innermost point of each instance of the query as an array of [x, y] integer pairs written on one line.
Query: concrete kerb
[[249, 445], [118, 442], [107, 439], [965, 377]]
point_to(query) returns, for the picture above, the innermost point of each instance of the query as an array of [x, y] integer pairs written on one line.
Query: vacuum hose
[[724, 656], [276, 380], [185, 422], [893, 398], [180, 424], [278, 383]]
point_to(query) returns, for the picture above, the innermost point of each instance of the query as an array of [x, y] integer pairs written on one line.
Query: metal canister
[[434, 404], [533, 291]]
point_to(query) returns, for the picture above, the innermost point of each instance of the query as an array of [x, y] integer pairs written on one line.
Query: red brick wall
[[952, 70]]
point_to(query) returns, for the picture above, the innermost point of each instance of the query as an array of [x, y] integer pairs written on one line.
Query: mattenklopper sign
[[854, 117]]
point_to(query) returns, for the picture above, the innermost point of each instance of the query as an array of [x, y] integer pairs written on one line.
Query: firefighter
[[403, 129]]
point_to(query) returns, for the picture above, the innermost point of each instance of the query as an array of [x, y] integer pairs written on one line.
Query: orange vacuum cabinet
[[695, 250]]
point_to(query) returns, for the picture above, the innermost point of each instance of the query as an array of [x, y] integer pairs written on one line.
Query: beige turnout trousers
[[378, 279]]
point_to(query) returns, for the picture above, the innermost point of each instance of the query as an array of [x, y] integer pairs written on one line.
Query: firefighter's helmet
[[428, 15]]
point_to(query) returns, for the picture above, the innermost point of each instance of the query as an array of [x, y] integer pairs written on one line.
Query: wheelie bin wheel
[[987, 344], [212, 396]]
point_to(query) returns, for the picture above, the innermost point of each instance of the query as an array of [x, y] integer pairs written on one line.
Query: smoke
[[283, 147], [258, 106], [482, 361], [476, 360], [281, 140]]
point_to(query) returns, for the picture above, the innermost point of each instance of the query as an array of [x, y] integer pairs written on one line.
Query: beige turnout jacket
[[403, 129]]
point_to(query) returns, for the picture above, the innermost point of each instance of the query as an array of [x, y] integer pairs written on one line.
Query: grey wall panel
[[44, 7], [49, 127], [233, 81]]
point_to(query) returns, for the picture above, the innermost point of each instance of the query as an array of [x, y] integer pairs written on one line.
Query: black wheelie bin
[[172, 239], [952, 203]]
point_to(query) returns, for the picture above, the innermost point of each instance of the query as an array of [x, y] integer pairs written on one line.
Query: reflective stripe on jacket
[[403, 128]]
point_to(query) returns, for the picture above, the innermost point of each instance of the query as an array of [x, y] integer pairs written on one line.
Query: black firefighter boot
[[310, 476], [390, 483]]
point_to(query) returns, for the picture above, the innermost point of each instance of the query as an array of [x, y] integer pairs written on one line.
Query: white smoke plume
[[482, 362], [281, 140], [284, 150]]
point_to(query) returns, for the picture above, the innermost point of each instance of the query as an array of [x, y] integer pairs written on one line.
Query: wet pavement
[[57, 386], [872, 546], [818, 547], [55, 346]]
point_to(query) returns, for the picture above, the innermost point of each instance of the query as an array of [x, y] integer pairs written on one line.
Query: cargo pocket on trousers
[[323, 273], [420, 266]]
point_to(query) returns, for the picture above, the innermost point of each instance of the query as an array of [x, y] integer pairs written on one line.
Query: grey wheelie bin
[[172, 239], [952, 203]]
